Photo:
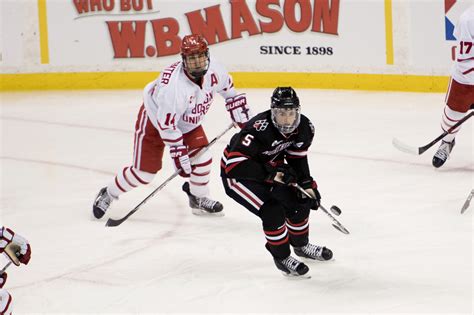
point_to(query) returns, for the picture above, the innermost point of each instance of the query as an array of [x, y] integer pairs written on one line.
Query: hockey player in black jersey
[[258, 168]]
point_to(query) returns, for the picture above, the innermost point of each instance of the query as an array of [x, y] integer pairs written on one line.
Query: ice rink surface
[[409, 251]]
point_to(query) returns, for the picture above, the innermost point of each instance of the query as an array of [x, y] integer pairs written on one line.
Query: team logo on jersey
[[274, 143], [299, 144], [260, 125]]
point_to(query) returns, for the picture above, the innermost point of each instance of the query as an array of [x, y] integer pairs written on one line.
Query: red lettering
[[213, 80], [96, 4], [125, 5], [290, 15], [329, 16], [127, 41], [81, 6], [108, 4], [149, 4], [210, 28], [242, 19], [276, 23], [137, 5], [166, 36]]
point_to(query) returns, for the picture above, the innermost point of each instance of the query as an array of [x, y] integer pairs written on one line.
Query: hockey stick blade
[[420, 150], [467, 202], [341, 229], [336, 223], [405, 147]]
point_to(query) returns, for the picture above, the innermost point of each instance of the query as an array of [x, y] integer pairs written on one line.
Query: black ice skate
[[292, 267], [314, 252], [203, 205], [101, 203], [443, 152]]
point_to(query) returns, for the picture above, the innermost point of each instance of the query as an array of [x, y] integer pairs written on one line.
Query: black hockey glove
[[311, 188], [281, 175]]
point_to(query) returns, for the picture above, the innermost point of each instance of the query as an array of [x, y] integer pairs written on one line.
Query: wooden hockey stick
[[117, 222], [337, 225], [420, 150], [467, 202]]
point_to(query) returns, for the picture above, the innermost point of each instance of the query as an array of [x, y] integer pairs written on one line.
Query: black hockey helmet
[[285, 109]]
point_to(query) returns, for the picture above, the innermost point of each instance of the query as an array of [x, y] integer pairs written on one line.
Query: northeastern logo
[[260, 125]]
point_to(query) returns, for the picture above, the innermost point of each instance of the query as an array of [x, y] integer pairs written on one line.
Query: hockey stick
[[117, 222], [420, 150], [467, 202], [5, 268], [337, 225]]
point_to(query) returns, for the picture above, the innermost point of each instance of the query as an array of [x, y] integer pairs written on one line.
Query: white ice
[[410, 249]]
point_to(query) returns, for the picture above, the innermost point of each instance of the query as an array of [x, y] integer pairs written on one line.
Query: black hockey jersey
[[260, 144]]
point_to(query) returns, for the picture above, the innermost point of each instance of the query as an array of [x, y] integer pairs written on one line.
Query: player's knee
[[272, 214], [202, 164], [299, 215]]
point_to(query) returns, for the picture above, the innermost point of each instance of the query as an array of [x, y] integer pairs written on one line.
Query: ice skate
[[101, 203], [203, 205], [291, 267], [443, 152], [314, 252]]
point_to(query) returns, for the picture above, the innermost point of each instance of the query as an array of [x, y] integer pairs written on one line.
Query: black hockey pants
[[284, 217]]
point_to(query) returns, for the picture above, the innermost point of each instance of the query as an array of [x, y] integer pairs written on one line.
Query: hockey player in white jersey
[[171, 115], [460, 95], [21, 254]]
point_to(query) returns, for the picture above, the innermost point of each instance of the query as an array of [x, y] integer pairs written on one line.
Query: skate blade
[[296, 277], [204, 213]]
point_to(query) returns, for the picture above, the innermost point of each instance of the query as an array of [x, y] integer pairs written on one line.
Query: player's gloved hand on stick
[[311, 188], [24, 255], [24, 248], [238, 109], [3, 279], [180, 156], [281, 175]]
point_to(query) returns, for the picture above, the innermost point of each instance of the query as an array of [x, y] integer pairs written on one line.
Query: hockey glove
[[15, 240], [180, 156], [311, 188], [3, 279], [281, 175], [238, 109]]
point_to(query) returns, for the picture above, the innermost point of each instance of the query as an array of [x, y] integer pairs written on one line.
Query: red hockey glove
[[180, 156], [12, 238], [26, 256], [238, 109], [3, 279]]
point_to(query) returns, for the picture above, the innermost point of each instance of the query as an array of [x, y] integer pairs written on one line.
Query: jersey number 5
[[247, 140]]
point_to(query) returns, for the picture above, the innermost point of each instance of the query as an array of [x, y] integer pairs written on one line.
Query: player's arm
[[465, 41], [297, 157], [239, 158], [168, 116], [236, 104]]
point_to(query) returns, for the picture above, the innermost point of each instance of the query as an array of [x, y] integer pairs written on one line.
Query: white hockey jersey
[[463, 69], [176, 105]]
